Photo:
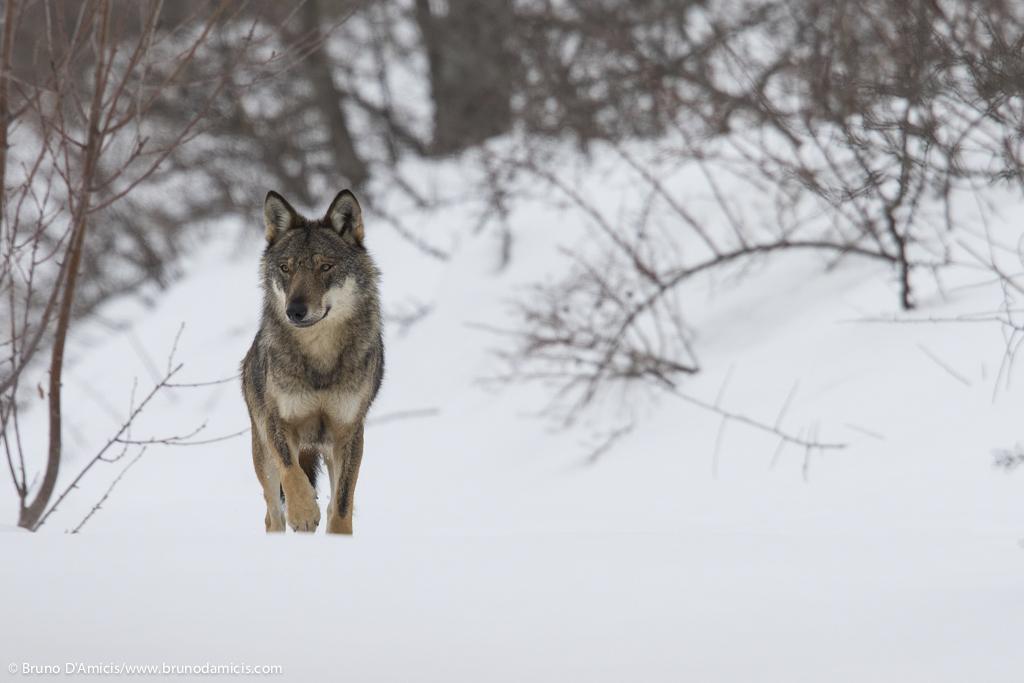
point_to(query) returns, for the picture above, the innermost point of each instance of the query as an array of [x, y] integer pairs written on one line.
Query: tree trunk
[[470, 71], [5, 68], [30, 515], [328, 101]]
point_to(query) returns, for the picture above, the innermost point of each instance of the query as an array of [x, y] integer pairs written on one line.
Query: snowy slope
[[486, 549]]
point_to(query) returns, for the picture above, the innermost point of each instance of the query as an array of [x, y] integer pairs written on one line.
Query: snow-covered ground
[[705, 605], [485, 547]]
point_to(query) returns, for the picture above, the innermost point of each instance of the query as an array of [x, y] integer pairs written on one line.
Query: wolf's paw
[[304, 516]]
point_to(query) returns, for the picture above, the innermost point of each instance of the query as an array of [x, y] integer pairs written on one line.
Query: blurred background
[[598, 205], [873, 112]]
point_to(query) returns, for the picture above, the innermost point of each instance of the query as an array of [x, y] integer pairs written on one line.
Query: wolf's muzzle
[[296, 311]]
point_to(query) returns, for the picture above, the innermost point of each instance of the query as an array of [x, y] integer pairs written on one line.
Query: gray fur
[[317, 361]]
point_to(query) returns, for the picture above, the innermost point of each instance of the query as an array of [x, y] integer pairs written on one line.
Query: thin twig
[[606, 443], [403, 415], [797, 440], [945, 366], [101, 501]]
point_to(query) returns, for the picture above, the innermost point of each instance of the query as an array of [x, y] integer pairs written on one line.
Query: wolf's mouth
[[310, 323]]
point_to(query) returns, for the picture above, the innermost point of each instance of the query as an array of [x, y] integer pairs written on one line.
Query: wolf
[[316, 363]]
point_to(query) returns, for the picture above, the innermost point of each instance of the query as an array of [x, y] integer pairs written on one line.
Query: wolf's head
[[313, 268]]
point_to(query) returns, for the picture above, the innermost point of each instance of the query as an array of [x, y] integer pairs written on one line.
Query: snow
[[595, 607], [487, 549]]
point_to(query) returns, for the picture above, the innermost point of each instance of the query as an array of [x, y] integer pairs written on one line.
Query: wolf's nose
[[296, 311]]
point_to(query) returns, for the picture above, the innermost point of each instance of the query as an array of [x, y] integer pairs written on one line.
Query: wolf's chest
[[336, 405]]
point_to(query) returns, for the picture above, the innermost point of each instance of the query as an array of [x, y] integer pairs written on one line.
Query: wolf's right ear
[[278, 216]]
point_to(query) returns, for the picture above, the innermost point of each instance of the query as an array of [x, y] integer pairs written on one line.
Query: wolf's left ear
[[345, 216], [278, 216]]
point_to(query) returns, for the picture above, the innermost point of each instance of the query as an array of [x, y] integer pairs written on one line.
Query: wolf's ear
[[345, 216], [278, 216]]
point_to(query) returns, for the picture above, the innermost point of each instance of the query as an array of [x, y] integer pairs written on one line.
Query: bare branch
[[106, 495]]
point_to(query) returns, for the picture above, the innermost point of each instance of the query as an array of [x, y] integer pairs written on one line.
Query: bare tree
[[849, 129], [80, 112]]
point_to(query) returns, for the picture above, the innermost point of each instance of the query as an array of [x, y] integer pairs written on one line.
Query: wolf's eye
[[325, 267], [284, 267]]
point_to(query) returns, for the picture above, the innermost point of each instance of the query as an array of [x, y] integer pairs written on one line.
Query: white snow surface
[[486, 549]]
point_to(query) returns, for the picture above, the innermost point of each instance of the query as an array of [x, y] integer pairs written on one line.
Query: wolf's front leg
[[301, 507], [267, 473], [347, 455]]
